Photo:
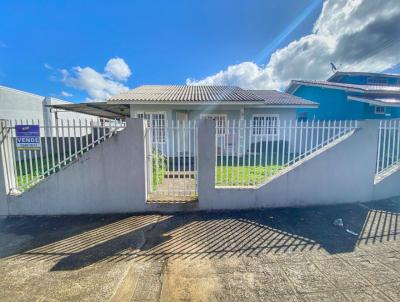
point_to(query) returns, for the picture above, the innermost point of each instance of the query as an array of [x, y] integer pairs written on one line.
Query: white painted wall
[[342, 174], [16, 104], [20, 105], [107, 179], [111, 179]]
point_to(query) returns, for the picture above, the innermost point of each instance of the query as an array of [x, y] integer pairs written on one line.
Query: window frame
[[158, 138], [379, 112], [260, 131], [377, 81], [221, 129]]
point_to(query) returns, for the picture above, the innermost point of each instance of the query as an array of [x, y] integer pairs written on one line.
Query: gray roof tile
[[206, 94], [185, 93], [273, 97]]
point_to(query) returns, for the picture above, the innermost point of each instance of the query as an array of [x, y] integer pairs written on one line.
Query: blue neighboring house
[[350, 95]]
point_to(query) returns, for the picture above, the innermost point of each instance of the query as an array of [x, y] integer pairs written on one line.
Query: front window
[[220, 120], [380, 110], [377, 81], [264, 124], [157, 123]]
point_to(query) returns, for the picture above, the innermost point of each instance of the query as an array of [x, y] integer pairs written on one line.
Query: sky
[[90, 50]]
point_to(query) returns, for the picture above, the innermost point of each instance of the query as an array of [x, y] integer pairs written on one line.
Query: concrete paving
[[269, 255]]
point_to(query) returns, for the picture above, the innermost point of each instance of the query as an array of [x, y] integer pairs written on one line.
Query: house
[[168, 109], [160, 103], [350, 95], [22, 107]]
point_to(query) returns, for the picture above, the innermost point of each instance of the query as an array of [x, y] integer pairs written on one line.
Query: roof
[[360, 73], [273, 97], [101, 109], [344, 86], [162, 94], [185, 93], [118, 106]]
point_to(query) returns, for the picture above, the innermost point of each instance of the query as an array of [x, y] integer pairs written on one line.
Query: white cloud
[[357, 35], [66, 94], [99, 86], [117, 68], [48, 66]]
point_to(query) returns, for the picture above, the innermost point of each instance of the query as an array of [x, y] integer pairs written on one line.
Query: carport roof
[[102, 109]]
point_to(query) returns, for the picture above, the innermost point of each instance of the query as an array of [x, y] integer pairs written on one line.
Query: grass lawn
[[253, 175], [27, 175]]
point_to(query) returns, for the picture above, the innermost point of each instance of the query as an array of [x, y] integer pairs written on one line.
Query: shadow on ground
[[77, 241]]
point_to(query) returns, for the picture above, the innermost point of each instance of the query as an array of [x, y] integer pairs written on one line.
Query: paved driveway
[[269, 255]]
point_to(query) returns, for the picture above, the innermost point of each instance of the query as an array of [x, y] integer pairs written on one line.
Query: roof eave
[[371, 102], [260, 104], [124, 102]]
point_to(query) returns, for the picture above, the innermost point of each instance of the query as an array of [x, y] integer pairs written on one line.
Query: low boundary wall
[[111, 179], [341, 174], [107, 179]]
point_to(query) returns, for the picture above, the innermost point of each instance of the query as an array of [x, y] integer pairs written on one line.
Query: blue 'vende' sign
[[28, 137]]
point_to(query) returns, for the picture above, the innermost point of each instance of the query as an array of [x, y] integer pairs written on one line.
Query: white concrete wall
[[111, 179], [107, 179], [342, 174], [20, 105]]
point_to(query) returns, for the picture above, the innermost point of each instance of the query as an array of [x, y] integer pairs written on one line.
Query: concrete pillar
[[135, 127], [206, 169]]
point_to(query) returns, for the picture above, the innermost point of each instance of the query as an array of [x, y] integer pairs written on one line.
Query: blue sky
[[162, 42]]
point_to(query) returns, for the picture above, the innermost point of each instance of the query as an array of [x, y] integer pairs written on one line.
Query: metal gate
[[171, 160]]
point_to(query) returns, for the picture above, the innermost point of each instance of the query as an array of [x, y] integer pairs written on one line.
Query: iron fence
[[388, 158], [171, 158], [251, 153], [60, 144]]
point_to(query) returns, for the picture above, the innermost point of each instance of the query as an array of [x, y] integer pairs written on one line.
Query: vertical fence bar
[[36, 157], [81, 136], [75, 140], [179, 149], [237, 164], [256, 128], [69, 141], [284, 145], [251, 131], [173, 150], [312, 137], [289, 142], [30, 162], [63, 142], [189, 160], [273, 138], [58, 143], [393, 141], [379, 147], [277, 146], [295, 142], [243, 151], [384, 145], [232, 154], [166, 138], [21, 177], [12, 147], [87, 135], [398, 141]]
